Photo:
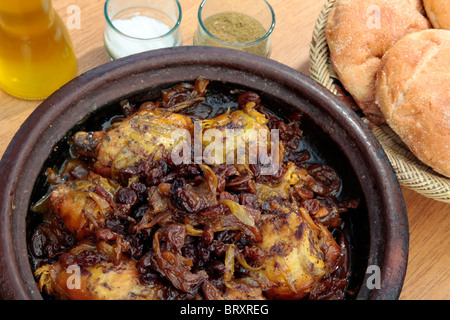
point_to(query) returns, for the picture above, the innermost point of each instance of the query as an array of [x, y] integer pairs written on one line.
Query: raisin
[[126, 196]]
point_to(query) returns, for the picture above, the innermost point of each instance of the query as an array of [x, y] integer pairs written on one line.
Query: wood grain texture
[[427, 276]]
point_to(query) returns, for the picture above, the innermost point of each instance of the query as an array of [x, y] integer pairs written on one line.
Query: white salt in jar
[[134, 26]]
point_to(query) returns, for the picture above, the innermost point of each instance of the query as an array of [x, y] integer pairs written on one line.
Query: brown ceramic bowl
[[377, 231]]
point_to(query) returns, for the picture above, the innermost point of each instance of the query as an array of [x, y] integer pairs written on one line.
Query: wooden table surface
[[427, 276]]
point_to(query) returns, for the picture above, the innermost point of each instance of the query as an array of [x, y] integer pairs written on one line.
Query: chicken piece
[[147, 134], [321, 180], [140, 137], [102, 280], [84, 204], [294, 261], [237, 137]]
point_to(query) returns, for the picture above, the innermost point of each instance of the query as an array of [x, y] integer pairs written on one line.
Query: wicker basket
[[410, 171]]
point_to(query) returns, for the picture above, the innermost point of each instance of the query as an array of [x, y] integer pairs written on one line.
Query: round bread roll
[[413, 92], [358, 34], [438, 11]]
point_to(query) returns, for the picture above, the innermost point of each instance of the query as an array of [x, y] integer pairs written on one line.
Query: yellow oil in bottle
[[36, 54]]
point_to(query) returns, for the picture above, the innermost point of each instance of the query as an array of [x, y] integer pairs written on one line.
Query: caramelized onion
[[192, 231]]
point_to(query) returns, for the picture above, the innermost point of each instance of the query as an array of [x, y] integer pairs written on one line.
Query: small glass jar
[[236, 24], [134, 26]]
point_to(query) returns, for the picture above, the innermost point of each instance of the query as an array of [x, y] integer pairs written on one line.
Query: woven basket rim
[[410, 171]]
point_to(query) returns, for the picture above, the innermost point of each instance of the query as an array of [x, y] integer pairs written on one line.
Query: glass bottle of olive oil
[[36, 54]]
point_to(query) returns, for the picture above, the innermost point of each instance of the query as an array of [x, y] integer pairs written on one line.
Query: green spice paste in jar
[[235, 30]]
